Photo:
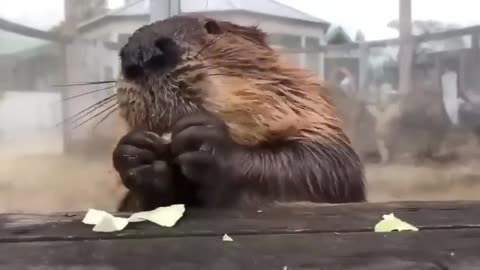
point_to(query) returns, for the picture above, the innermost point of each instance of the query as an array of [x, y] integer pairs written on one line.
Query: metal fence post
[[162, 9]]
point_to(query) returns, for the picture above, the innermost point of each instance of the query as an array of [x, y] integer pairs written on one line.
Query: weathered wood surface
[[287, 237]]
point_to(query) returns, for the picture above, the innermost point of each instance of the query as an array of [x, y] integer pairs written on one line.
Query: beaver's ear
[[252, 33], [212, 27]]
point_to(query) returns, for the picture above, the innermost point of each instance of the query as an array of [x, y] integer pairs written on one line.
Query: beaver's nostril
[[156, 62], [132, 71], [164, 43], [149, 55]]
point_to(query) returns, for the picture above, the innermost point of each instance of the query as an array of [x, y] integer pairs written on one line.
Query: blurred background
[[405, 76]]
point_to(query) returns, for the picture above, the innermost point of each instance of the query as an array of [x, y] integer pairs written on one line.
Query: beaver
[[247, 128]]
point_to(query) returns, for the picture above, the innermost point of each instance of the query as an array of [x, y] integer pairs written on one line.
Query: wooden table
[[294, 237]]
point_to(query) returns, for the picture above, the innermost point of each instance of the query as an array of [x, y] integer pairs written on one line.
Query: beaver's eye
[[212, 27]]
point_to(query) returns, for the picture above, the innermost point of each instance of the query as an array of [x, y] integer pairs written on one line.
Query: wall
[[28, 123], [33, 69], [30, 105]]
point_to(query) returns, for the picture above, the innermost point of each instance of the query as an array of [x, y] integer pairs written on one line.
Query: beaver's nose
[[140, 58]]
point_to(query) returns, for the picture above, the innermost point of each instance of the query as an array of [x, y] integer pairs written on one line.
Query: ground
[[62, 183]]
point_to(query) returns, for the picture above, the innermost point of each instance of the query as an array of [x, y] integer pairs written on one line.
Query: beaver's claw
[[140, 159], [202, 148]]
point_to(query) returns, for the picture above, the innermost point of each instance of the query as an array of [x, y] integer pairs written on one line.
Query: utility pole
[[406, 46]]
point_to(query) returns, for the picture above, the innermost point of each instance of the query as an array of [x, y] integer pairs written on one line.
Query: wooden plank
[[455, 249], [299, 218]]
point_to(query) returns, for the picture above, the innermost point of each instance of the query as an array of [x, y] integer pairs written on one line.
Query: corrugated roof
[[270, 7], [267, 7]]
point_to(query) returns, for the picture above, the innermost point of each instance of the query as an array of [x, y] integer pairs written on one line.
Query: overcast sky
[[372, 20]]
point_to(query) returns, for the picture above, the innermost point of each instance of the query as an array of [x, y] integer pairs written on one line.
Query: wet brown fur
[[270, 96], [236, 75]]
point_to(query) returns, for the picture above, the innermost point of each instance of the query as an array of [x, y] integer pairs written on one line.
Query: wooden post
[[362, 70], [69, 30], [304, 55], [475, 38], [406, 46], [321, 60]]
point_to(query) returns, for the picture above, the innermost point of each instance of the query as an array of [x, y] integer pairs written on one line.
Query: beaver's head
[[186, 64]]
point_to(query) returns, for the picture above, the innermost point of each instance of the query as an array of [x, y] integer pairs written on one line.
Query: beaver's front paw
[[140, 159], [205, 153]]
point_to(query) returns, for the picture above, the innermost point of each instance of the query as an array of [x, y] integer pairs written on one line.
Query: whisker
[[88, 93], [105, 117], [92, 110], [94, 106], [83, 83], [97, 114]]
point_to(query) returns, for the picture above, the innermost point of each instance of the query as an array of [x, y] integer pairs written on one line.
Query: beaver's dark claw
[[140, 159], [203, 149]]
